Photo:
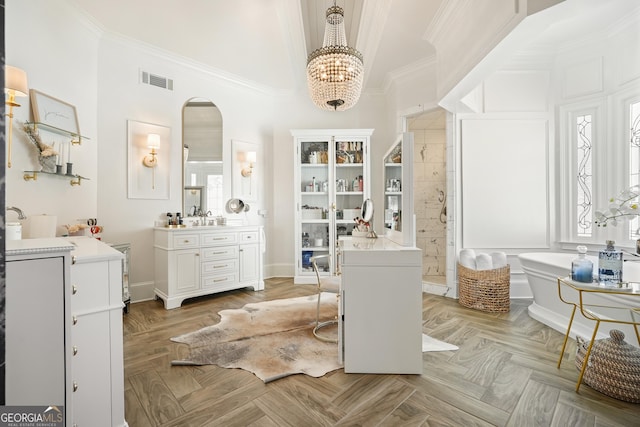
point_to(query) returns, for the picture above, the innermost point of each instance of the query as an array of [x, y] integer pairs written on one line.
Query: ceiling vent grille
[[156, 80]]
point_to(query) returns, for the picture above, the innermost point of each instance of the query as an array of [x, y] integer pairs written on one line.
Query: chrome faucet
[[21, 215]]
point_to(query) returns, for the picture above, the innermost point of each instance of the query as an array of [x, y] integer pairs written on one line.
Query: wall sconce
[[151, 159], [250, 158], [15, 84]]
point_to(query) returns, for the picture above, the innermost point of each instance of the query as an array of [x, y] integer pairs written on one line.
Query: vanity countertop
[[380, 251], [192, 228], [35, 246]]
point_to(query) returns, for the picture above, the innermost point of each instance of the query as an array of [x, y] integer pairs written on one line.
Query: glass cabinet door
[[331, 180], [350, 183], [315, 181]]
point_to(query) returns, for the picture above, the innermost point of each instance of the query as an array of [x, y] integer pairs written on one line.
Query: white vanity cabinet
[[380, 321], [196, 261], [97, 370]]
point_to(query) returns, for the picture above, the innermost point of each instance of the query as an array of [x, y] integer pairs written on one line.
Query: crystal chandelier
[[334, 71]]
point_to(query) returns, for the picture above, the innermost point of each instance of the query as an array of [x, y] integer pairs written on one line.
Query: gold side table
[[615, 313]]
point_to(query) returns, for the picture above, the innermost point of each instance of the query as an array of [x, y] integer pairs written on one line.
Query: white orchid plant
[[622, 207]]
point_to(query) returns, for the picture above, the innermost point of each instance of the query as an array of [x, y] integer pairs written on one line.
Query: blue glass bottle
[[581, 267], [610, 266]]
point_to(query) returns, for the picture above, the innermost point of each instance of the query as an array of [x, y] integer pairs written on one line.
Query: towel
[[499, 259], [484, 262], [467, 258]]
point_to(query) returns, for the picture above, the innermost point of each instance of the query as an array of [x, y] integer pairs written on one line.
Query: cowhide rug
[[271, 339]]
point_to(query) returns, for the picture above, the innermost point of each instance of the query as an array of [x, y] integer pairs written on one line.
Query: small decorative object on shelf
[[47, 155], [581, 267], [610, 266]]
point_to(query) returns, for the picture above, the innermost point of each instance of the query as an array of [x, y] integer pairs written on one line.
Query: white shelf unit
[[331, 180], [399, 218]]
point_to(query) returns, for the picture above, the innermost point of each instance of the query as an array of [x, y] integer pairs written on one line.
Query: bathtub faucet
[[21, 215]]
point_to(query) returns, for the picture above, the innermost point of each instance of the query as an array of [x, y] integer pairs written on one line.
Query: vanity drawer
[[218, 252], [213, 267], [221, 281], [184, 241], [249, 237], [89, 287], [219, 239]]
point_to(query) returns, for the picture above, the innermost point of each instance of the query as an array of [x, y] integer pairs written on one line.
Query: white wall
[[510, 166], [59, 54], [69, 58]]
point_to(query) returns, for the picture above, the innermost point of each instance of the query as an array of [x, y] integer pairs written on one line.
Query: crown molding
[[409, 70], [439, 25]]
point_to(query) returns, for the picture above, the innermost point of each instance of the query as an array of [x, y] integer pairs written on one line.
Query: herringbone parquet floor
[[504, 374]]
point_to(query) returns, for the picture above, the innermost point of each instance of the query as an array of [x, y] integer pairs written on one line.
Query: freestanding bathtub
[[543, 269]]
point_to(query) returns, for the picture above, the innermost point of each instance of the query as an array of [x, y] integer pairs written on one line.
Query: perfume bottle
[[581, 267], [610, 265]]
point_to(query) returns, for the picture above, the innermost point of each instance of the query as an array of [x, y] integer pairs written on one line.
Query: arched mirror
[[203, 189]]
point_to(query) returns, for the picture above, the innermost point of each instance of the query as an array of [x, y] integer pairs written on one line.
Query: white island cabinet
[[97, 369], [64, 306], [380, 328], [195, 261], [37, 322]]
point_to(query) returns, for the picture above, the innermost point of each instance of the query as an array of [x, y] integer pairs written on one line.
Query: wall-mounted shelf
[[75, 138], [33, 175]]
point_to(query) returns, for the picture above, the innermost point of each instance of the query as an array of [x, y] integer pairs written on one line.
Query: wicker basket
[[613, 367], [485, 290]]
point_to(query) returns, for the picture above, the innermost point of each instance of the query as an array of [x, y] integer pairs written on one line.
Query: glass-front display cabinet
[[331, 180], [399, 218]]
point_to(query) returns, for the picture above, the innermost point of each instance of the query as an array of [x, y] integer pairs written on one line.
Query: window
[[634, 159], [601, 158], [584, 190], [215, 196]]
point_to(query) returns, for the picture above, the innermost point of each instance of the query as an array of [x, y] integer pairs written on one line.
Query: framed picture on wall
[[54, 113]]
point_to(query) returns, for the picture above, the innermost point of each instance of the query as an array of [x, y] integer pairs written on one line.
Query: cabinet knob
[[75, 350], [75, 320], [74, 289], [75, 386], [186, 241], [73, 259]]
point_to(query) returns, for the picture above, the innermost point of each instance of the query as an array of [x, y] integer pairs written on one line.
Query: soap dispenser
[[610, 266], [581, 267]]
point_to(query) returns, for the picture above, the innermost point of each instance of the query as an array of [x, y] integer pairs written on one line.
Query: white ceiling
[[266, 42]]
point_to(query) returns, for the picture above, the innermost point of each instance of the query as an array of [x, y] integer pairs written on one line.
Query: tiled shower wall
[[430, 193]]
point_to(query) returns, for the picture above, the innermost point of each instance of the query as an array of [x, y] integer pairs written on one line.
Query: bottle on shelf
[[581, 267], [610, 265]]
